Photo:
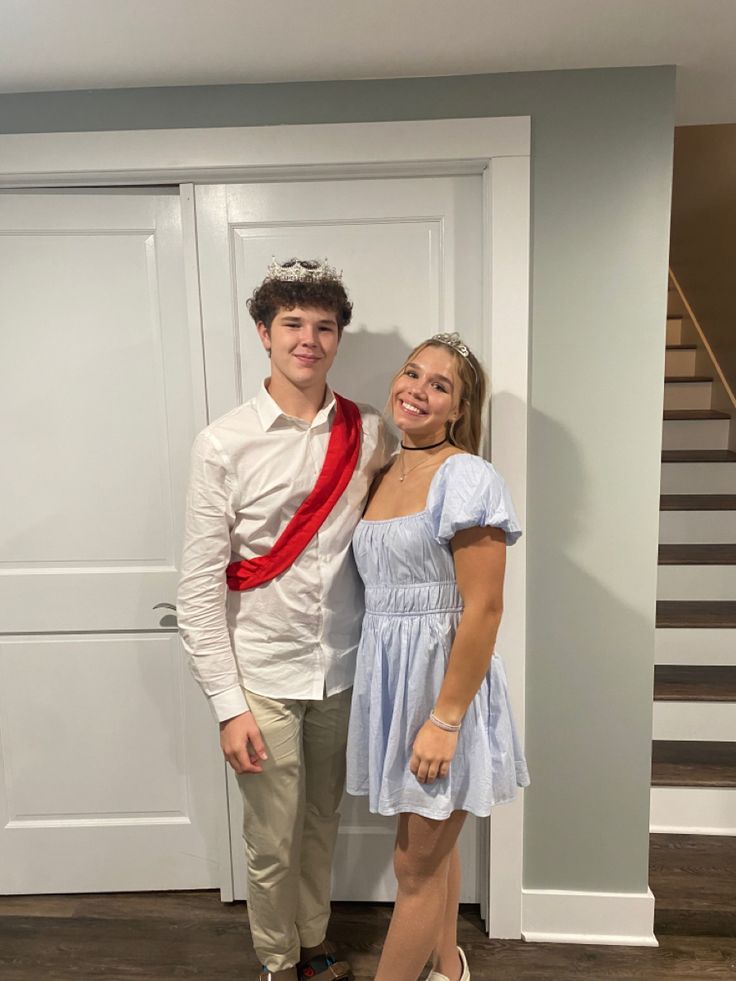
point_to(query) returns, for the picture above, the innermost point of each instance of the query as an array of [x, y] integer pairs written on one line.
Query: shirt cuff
[[229, 703]]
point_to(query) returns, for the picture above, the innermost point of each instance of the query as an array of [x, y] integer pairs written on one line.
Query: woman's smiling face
[[426, 394]]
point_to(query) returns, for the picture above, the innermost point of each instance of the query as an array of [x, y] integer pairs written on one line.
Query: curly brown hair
[[327, 293]]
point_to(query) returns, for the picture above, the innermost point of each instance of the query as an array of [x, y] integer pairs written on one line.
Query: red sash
[[342, 456]]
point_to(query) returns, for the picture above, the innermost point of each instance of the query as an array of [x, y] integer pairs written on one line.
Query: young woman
[[431, 733]]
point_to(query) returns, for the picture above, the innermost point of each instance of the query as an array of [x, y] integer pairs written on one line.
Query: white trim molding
[[559, 916], [251, 153]]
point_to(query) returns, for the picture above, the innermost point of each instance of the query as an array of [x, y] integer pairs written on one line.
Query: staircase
[[694, 735]]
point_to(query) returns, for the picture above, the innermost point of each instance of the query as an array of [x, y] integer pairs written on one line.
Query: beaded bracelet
[[447, 726]]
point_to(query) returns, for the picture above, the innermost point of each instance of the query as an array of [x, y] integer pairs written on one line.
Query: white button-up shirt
[[295, 636]]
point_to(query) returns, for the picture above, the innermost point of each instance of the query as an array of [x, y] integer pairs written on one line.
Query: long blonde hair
[[465, 431]]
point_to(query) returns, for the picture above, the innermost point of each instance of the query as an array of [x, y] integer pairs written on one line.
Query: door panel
[[410, 252], [45, 737], [92, 357], [110, 775]]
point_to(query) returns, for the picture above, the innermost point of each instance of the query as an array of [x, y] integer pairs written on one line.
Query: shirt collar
[[269, 411]]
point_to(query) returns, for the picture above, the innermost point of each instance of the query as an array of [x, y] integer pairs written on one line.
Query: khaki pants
[[291, 821]]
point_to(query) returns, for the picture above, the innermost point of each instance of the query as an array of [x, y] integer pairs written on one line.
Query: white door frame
[[497, 148]]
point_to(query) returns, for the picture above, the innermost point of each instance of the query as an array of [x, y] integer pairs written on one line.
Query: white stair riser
[[695, 434], [674, 331], [696, 582], [695, 645], [693, 527], [688, 395], [674, 304], [693, 810], [698, 478], [679, 362], [695, 721]]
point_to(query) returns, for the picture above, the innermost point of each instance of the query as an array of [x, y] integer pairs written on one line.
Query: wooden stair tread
[[672, 414], [698, 456], [679, 379], [708, 614], [693, 763], [697, 502], [694, 683], [698, 554]]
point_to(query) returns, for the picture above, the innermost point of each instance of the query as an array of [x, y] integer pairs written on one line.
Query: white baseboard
[[559, 916], [693, 810]]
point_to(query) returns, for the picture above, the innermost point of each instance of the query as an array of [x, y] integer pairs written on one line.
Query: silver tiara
[[301, 270], [454, 341]]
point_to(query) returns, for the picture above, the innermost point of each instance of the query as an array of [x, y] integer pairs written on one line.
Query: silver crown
[[301, 270], [454, 341]]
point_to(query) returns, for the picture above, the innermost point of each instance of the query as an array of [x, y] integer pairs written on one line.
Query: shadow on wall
[[366, 363], [589, 675]]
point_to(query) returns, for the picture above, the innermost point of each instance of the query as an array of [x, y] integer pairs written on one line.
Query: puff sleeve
[[467, 492]]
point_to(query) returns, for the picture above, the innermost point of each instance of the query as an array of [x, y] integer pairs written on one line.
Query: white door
[[410, 250], [109, 774]]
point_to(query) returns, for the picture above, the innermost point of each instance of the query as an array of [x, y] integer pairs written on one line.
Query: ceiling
[[53, 45]]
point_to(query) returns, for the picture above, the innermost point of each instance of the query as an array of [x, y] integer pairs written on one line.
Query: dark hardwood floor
[[191, 935]]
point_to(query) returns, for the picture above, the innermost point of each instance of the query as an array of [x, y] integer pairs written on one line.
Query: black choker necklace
[[431, 447]]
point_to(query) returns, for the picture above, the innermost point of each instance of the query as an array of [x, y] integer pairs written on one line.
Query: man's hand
[[242, 743]]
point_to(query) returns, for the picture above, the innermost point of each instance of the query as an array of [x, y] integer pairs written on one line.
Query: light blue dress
[[412, 609]]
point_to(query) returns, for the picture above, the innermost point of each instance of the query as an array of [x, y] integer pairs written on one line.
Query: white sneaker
[[465, 976]]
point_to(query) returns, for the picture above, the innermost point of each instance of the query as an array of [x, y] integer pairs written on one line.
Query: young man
[[270, 605]]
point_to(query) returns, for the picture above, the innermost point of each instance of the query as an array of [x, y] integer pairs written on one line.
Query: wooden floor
[[179, 936]]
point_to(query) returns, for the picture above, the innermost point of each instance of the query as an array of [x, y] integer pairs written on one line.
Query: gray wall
[[601, 173]]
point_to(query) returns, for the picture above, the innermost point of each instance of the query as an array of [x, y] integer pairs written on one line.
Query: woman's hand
[[432, 751]]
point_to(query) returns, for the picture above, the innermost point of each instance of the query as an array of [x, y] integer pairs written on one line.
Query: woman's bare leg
[[422, 861], [445, 958]]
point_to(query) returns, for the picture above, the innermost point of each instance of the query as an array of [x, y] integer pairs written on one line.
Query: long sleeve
[[202, 595]]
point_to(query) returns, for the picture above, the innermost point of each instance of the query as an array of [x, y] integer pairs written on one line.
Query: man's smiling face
[[302, 343]]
